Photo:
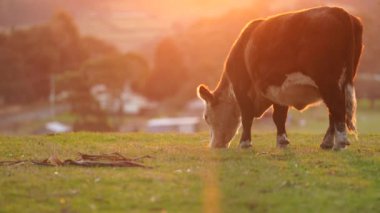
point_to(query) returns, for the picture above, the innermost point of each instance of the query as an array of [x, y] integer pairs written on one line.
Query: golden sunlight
[[189, 106]]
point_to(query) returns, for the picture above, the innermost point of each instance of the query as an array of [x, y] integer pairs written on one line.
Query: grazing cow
[[289, 60]]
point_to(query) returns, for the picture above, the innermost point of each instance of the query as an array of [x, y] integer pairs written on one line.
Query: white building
[[180, 124], [129, 102]]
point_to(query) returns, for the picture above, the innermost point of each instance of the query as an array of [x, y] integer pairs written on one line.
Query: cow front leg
[[246, 120], [280, 114], [328, 139], [246, 110]]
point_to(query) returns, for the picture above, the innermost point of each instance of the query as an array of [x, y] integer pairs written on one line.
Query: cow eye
[[205, 117]]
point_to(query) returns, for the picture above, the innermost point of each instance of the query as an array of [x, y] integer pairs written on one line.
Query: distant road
[[21, 115]]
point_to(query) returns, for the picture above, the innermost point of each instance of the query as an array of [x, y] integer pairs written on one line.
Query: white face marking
[[297, 90], [223, 119]]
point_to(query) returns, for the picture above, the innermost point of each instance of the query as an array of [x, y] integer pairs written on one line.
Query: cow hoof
[[326, 146], [328, 141], [282, 141], [283, 144], [340, 145], [245, 144]]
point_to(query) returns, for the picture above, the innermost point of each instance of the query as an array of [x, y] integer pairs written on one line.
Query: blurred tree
[[87, 111], [32, 55], [140, 71], [95, 48], [66, 38], [117, 70], [28, 57], [114, 71], [169, 73], [3, 39]]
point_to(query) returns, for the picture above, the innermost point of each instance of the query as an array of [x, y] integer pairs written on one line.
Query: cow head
[[222, 115]]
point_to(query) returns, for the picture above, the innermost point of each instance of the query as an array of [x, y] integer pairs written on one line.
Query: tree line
[[30, 58]]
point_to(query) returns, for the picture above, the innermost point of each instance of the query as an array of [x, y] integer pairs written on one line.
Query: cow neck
[[224, 90]]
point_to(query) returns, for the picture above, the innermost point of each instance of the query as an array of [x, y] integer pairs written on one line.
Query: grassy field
[[188, 177], [315, 120]]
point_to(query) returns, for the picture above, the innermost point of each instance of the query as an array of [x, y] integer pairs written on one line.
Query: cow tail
[[349, 89], [350, 108]]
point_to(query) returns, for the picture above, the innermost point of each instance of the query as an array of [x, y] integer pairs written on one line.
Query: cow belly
[[298, 90]]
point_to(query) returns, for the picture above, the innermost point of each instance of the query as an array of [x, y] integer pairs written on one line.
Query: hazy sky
[[176, 8], [125, 23]]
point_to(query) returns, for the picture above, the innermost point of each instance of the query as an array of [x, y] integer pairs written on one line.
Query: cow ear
[[205, 94]]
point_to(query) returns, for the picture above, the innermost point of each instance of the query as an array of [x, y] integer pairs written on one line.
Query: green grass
[[188, 177], [315, 120]]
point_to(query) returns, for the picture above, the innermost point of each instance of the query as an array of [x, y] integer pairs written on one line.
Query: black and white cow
[[289, 60]]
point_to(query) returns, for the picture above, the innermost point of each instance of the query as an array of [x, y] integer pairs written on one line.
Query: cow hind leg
[[279, 117], [328, 139], [335, 102]]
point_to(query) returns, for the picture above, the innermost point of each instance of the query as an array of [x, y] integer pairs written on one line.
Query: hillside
[[127, 24], [130, 24]]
